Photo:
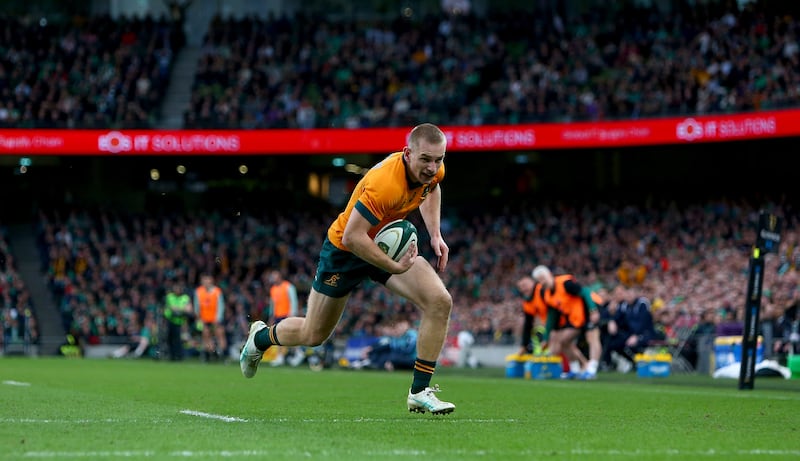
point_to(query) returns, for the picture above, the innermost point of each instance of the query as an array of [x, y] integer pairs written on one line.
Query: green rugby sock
[[265, 338], [423, 372]]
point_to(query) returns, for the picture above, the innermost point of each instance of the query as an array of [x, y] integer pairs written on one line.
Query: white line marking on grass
[[443, 419], [89, 454], [686, 453], [227, 419], [232, 419], [84, 421], [337, 454], [8, 382]]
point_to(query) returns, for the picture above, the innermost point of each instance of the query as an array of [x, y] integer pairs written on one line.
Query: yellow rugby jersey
[[383, 195]]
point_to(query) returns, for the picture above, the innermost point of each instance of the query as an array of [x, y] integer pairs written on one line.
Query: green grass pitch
[[62, 409]]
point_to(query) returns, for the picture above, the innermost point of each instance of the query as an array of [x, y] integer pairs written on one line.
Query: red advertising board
[[675, 130]]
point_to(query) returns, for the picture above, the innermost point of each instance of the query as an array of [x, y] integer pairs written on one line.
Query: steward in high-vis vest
[[177, 312], [572, 311], [209, 308], [282, 304], [534, 311], [282, 298]]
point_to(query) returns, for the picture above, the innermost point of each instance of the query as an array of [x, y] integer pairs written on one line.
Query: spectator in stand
[[465, 341], [729, 323], [705, 330], [142, 337], [788, 333], [631, 329], [630, 275], [609, 325], [395, 349]]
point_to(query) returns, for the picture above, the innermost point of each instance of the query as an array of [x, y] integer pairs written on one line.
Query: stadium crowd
[[503, 67], [17, 315], [310, 72], [94, 72], [110, 270]]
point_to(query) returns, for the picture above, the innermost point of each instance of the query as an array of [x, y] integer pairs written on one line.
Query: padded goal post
[[768, 239]]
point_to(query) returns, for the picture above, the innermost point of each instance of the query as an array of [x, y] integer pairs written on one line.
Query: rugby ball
[[395, 238]]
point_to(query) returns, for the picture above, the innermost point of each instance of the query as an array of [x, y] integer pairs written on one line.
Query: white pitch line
[[440, 420], [8, 382], [405, 453], [84, 421], [202, 414], [90, 454]]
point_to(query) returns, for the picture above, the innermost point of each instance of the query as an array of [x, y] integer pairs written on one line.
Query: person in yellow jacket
[[282, 304], [209, 309], [178, 312]]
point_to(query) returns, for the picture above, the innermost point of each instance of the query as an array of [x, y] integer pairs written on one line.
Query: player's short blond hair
[[427, 132]]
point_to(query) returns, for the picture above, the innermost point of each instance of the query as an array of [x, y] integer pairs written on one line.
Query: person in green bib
[[177, 312]]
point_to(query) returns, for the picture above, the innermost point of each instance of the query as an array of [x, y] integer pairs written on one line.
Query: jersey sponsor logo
[[425, 191], [333, 280]]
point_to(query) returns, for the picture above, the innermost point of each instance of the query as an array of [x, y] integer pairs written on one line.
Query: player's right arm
[[358, 241]]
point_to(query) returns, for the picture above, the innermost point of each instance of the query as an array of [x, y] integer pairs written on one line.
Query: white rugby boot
[[251, 356], [426, 400]]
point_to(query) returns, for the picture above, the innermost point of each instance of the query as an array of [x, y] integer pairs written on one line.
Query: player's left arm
[[357, 239], [431, 211]]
